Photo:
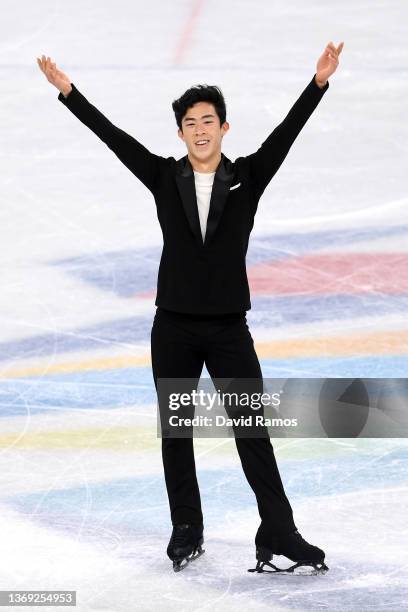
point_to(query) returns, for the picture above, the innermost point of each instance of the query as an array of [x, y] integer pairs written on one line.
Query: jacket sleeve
[[139, 160], [265, 162]]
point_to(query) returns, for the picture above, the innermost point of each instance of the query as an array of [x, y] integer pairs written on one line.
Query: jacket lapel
[[222, 182], [186, 185]]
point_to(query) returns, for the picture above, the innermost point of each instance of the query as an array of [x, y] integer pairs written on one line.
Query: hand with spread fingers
[[56, 77], [327, 63]]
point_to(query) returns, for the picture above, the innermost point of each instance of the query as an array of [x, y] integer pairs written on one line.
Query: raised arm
[[139, 160], [265, 162]]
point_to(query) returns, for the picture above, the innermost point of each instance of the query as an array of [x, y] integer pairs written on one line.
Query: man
[[206, 206]]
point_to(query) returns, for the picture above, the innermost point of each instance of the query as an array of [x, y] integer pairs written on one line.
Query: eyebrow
[[193, 118]]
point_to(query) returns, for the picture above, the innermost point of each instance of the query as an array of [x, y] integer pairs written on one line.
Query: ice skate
[[308, 559], [185, 545]]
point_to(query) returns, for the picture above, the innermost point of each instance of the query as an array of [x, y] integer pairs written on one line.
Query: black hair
[[200, 93]]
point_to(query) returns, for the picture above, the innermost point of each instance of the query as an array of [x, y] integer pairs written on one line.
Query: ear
[[180, 134], [224, 128]]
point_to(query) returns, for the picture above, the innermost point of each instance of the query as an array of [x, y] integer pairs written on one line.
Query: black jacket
[[194, 276]]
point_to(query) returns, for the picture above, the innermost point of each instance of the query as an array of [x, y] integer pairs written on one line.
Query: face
[[201, 124]]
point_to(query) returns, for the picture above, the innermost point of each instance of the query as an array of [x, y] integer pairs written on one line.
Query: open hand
[[56, 77], [328, 62]]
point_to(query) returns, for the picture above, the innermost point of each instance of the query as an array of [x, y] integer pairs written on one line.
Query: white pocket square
[[235, 186]]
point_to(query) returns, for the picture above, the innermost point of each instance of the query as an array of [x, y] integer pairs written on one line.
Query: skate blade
[[181, 564], [298, 569]]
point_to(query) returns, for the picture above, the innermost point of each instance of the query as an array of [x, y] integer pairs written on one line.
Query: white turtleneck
[[203, 186]]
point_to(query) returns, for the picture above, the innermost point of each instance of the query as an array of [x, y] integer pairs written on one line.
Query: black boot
[[185, 545], [292, 546]]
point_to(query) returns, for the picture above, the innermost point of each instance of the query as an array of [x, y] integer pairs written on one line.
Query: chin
[[203, 155]]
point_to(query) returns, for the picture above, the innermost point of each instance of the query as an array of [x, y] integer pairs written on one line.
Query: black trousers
[[180, 345]]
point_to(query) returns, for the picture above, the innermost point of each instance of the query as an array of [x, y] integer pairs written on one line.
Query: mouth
[[202, 143]]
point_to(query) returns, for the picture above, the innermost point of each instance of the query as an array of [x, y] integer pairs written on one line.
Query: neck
[[209, 165]]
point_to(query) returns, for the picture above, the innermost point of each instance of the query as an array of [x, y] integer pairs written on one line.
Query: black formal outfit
[[202, 289]]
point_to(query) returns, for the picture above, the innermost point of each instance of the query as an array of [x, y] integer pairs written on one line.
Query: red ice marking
[[146, 295], [187, 31], [332, 273]]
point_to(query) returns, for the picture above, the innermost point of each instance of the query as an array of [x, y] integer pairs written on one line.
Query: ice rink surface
[[82, 496]]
